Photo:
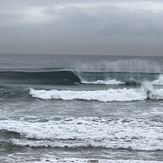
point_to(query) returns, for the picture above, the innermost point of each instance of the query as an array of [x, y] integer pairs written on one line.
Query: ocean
[[82, 109]]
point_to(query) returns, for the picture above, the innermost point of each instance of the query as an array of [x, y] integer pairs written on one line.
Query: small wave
[[9, 134], [13, 93]]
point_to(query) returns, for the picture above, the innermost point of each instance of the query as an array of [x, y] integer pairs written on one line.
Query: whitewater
[[143, 93], [108, 81]]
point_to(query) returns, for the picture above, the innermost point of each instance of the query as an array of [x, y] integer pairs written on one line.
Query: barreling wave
[[68, 77], [47, 78]]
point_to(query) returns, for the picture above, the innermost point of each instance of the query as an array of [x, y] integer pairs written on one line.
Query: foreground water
[[81, 109]]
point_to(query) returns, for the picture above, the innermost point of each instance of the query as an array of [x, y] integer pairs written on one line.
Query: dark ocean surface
[[67, 108]]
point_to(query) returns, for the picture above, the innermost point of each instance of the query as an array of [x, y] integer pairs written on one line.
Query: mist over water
[[121, 65]]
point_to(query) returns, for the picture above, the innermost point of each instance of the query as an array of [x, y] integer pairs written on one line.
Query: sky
[[87, 27]]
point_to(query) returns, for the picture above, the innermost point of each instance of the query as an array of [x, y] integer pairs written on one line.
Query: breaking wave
[[132, 94], [145, 92]]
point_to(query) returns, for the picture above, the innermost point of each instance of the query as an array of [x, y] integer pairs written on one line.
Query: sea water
[[56, 108]]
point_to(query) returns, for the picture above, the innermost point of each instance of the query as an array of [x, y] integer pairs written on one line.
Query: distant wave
[[132, 94]]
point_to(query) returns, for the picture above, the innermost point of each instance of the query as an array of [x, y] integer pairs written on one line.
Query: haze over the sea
[[101, 27]]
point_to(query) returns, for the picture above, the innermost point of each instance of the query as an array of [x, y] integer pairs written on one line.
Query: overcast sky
[[110, 27]]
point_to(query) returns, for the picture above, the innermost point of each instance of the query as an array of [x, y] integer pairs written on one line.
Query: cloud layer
[[112, 27]]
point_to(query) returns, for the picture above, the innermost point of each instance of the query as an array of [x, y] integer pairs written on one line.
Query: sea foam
[[83, 132]]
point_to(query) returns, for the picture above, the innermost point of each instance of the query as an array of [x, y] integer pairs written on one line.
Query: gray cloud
[[81, 27]]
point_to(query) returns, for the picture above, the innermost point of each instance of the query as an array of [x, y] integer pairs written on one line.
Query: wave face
[[47, 78]]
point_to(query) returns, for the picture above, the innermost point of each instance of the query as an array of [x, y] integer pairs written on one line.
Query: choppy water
[[81, 109]]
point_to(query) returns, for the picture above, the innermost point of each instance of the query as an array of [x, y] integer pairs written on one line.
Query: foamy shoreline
[[80, 160]]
